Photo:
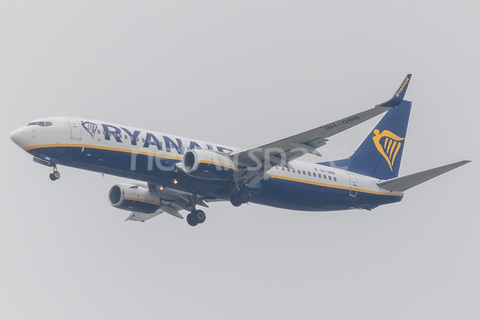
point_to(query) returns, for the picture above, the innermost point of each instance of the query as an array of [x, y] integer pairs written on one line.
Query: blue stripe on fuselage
[[160, 170], [149, 168], [311, 197]]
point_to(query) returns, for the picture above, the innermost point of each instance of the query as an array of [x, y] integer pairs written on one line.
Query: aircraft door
[[76, 132], [353, 185]]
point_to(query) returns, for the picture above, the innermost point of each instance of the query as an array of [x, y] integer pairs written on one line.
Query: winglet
[[399, 94]]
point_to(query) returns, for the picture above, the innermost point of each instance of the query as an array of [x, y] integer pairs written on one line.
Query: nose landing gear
[[54, 175], [49, 162]]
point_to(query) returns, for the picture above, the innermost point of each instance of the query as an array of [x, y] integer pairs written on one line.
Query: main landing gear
[[239, 198], [196, 217], [54, 175]]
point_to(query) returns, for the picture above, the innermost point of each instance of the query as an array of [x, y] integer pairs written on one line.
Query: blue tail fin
[[380, 153]]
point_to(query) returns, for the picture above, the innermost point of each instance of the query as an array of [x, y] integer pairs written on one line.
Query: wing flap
[[171, 211], [142, 217], [412, 180]]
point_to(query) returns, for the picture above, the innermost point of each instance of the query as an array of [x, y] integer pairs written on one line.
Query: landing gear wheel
[[200, 216], [235, 201], [54, 175], [240, 197], [196, 217], [243, 196], [191, 220]]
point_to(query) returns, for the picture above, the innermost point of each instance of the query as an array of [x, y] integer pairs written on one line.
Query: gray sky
[[240, 74]]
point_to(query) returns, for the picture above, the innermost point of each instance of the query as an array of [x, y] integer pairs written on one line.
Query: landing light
[[175, 181], [160, 188]]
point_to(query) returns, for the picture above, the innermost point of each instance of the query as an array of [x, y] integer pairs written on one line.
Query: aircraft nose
[[19, 136]]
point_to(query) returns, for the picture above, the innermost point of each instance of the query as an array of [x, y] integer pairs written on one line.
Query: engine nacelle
[[208, 165], [133, 197]]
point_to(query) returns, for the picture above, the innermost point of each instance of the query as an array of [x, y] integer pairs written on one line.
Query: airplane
[[178, 173]]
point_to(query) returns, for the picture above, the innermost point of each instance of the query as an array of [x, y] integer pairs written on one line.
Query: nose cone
[[19, 136]]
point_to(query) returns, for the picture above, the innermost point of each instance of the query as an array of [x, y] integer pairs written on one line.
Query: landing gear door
[[76, 132], [353, 185]]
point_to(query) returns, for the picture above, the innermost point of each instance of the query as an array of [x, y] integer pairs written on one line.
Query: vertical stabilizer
[[380, 153]]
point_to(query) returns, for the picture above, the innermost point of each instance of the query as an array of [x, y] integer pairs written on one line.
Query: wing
[[254, 162], [171, 201]]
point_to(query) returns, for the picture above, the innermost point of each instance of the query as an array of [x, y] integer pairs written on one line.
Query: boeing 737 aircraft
[[178, 173]]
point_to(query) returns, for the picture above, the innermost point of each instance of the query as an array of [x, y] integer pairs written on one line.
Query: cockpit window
[[40, 123]]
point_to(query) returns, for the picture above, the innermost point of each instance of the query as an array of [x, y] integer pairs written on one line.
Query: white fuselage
[[88, 144]]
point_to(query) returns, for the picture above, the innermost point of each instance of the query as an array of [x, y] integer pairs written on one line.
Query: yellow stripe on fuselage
[[162, 155], [333, 186]]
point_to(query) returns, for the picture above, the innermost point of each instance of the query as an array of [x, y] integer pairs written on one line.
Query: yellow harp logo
[[390, 145]]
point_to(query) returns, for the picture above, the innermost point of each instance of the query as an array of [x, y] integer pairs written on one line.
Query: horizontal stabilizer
[[412, 180]]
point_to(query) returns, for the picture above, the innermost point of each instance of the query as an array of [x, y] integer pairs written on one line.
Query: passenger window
[[324, 176], [329, 177], [143, 139], [309, 173], [334, 178], [314, 174], [298, 171], [126, 137], [283, 168], [98, 131], [303, 172]]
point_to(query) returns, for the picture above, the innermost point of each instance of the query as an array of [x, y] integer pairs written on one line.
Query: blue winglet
[[399, 94]]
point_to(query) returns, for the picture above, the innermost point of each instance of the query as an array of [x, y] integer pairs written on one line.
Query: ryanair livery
[[178, 173]]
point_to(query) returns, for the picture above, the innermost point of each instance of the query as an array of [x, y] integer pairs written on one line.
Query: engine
[[208, 165], [133, 197]]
